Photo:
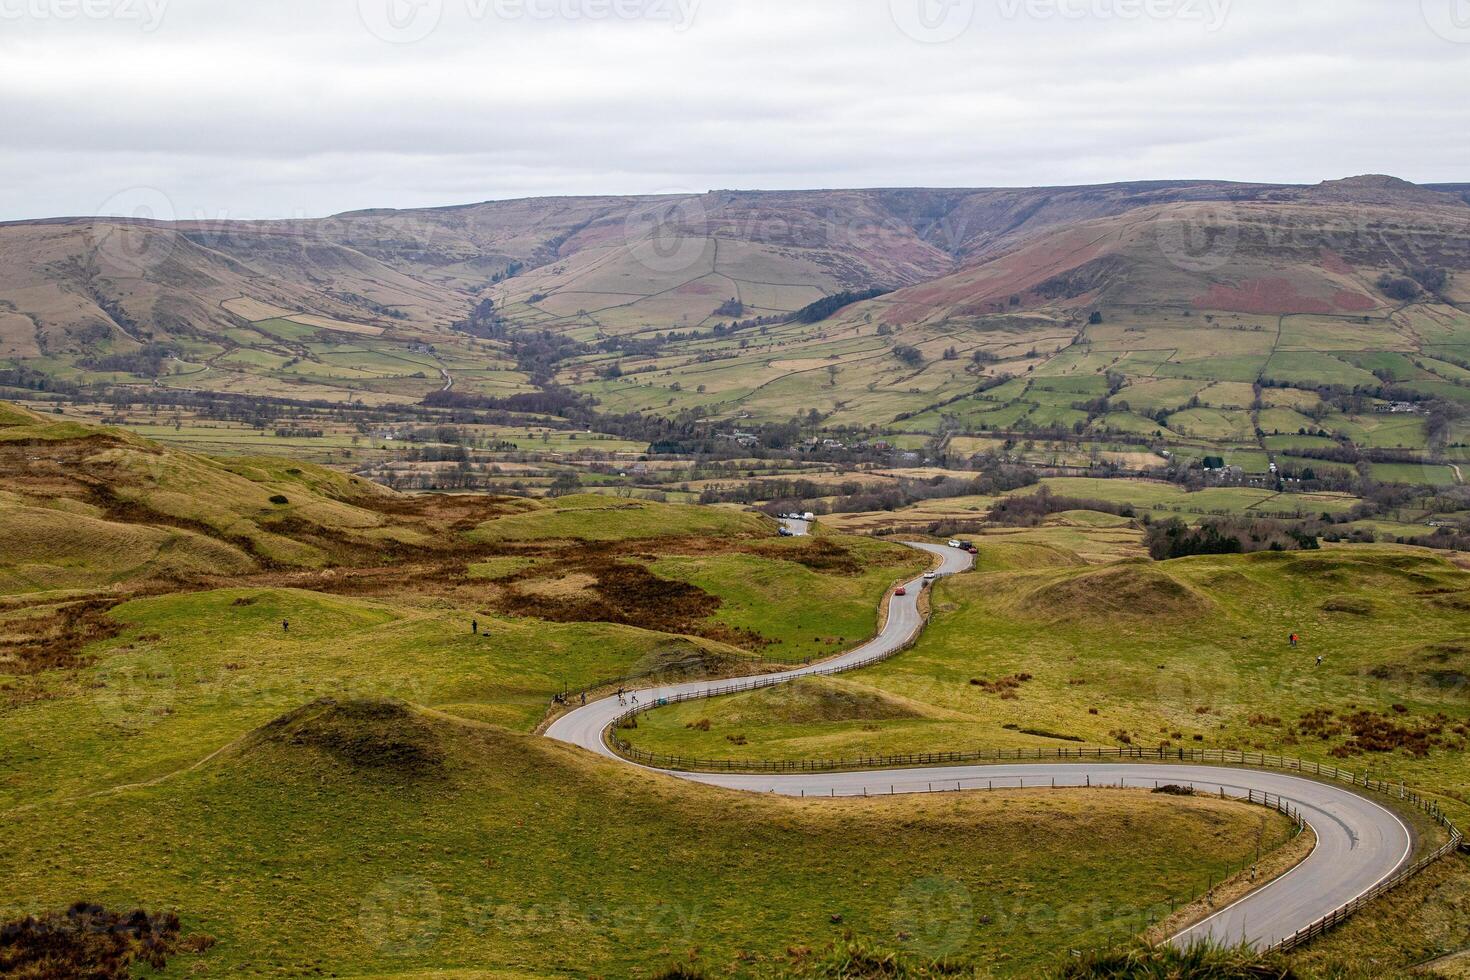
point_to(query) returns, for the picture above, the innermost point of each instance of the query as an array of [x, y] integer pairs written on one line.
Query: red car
[[900, 591]]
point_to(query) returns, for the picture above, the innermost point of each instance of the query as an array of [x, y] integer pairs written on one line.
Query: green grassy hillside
[[157, 512], [1190, 653], [368, 837], [306, 727]]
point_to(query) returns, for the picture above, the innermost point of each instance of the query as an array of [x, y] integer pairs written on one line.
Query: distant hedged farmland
[[1211, 334]]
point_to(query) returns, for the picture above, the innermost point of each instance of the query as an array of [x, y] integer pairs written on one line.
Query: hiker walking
[[584, 697], [1319, 660], [475, 626], [285, 626], [1294, 639], [634, 696]]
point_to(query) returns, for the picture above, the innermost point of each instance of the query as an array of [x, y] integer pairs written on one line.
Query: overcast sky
[[279, 108]]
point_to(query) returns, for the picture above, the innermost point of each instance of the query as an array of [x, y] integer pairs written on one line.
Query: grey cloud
[[279, 108]]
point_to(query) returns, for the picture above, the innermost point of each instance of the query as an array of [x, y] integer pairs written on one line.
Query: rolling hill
[[1142, 311], [73, 291]]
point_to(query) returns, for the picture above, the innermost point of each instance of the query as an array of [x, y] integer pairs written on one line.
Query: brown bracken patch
[[55, 640], [621, 592], [87, 941]]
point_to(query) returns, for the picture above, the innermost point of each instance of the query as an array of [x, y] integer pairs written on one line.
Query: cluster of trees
[[484, 321], [566, 483], [828, 305], [1225, 536], [909, 355], [1028, 510], [438, 454], [646, 346], [994, 478], [788, 489], [30, 380], [147, 361], [1417, 281]]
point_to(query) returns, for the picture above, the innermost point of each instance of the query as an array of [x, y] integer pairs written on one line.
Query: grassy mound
[[300, 851], [98, 693], [141, 498], [1128, 590], [1183, 654], [1087, 518], [366, 734], [1351, 605], [47, 549], [818, 699], [680, 659]]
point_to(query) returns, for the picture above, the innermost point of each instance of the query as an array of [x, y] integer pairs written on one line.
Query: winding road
[[1359, 842]]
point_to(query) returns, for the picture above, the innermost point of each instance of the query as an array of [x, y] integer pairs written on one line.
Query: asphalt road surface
[[1359, 842]]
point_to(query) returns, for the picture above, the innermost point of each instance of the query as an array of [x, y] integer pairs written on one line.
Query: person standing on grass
[[1293, 639], [1319, 660], [475, 627], [285, 626]]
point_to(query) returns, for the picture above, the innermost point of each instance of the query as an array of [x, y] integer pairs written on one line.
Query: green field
[[1190, 653], [801, 613], [366, 837], [1167, 499], [327, 764]]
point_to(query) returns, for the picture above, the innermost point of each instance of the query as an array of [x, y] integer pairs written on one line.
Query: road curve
[[1359, 842]]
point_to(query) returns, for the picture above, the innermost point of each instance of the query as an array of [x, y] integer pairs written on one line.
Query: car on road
[[900, 591], [786, 532], [930, 576], [956, 544]]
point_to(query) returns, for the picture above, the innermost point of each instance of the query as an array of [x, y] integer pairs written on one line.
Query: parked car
[[930, 576], [955, 544], [786, 532]]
